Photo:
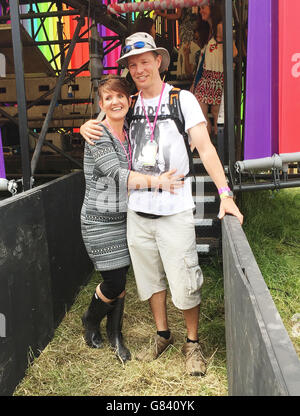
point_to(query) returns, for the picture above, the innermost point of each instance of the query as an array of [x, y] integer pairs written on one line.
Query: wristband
[[224, 189]]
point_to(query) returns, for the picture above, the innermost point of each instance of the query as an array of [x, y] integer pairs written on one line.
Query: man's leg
[[191, 317], [177, 245], [163, 337], [195, 361], [159, 310], [150, 279]]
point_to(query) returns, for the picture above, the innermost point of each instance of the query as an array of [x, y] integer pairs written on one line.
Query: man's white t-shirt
[[171, 153]]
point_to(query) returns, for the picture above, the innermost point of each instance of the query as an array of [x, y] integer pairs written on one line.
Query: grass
[[272, 226], [67, 367]]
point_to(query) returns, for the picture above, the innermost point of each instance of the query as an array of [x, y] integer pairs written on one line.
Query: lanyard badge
[[150, 149], [149, 153]]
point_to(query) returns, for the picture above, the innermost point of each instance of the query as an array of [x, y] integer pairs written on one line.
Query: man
[[160, 225]]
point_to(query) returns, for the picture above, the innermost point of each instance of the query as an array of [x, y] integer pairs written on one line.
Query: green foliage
[[272, 226]]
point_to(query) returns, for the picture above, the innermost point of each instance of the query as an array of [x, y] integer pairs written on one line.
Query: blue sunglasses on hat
[[136, 45]]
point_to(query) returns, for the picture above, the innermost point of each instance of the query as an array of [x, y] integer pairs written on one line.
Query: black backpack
[[175, 114]]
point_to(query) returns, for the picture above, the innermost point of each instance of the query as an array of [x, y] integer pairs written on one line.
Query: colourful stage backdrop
[[261, 120], [289, 76], [81, 52], [273, 82], [111, 58]]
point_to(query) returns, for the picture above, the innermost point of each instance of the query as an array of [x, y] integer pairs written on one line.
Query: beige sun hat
[[142, 42]]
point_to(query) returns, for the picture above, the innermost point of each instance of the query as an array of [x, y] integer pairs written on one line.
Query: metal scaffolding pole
[[20, 86], [60, 30], [229, 85], [53, 102], [42, 15], [96, 66], [267, 186]]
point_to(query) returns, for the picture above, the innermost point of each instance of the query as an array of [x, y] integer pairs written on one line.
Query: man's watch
[[226, 194]]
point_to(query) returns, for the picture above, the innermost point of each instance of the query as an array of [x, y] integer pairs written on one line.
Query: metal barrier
[[261, 359], [43, 263]]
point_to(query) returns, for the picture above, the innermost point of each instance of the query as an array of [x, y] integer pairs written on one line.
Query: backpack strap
[[177, 116]]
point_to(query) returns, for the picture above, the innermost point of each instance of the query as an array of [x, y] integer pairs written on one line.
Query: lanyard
[[128, 155], [152, 128]]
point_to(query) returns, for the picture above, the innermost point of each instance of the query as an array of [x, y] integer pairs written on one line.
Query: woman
[[103, 216], [186, 25], [144, 24], [209, 88]]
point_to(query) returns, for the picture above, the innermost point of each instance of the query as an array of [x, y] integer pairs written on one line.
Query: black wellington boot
[[91, 321], [114, 328]]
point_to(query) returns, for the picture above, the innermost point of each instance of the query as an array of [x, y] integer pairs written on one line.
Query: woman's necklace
[[128, 155]]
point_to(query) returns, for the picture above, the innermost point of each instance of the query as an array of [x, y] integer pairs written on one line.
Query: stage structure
[[67, 45], [49, 90], [65, 86], [60, 51]]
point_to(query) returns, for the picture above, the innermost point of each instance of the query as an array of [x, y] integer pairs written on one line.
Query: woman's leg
[[101, 296], [204, 108], [92, 318], [116, 287], [101, 304], [113, 285], [215, 113]]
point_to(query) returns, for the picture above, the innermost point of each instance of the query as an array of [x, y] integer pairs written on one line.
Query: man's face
[[144, 69]]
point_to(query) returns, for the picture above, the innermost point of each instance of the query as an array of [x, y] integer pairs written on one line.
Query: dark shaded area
[[43, 264]]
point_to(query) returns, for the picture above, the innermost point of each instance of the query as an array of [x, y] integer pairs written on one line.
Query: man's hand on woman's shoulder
[[90, 131]]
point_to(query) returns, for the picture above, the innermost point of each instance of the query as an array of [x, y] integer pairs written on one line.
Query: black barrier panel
[[261, 359], [24, 286], [43, 263], [69, 261]]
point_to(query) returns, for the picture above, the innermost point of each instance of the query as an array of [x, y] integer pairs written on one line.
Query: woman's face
[[115, 104], [205, 12]]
